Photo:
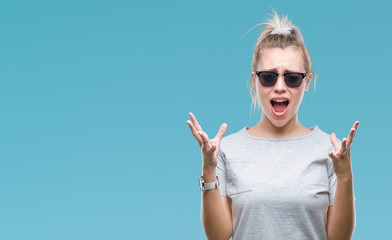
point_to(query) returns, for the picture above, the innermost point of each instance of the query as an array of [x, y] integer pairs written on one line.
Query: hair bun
[[283, 31]]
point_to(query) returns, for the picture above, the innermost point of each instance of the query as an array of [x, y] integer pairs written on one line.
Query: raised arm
[[215, 210], [341, 216]]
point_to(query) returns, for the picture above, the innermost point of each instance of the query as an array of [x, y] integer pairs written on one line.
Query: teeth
[[280, 100]]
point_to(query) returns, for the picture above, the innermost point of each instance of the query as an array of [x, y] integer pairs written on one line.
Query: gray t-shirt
[[278, 188]]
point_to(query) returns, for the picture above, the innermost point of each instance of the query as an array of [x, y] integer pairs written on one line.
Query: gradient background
[[94, 98]]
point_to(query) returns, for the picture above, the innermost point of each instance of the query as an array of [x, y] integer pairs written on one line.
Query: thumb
[[221, 132], [334, 142]]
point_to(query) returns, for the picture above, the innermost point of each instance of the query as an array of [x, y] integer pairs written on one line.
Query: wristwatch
[[207, 186]]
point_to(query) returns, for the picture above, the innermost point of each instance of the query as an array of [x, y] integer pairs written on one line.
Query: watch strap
[[210, 185]]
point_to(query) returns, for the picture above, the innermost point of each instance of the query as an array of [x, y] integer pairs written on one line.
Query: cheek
[[263, 96], [264, 100], [297, 99]]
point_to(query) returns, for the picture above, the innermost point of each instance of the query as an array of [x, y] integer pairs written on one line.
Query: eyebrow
[[276, 70]]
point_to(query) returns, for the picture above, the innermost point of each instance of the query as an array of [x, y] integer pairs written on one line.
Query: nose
[[280, 85]]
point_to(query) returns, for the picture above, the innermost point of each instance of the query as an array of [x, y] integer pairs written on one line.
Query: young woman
[[277, 179]]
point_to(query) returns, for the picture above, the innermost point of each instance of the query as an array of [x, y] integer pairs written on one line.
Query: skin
[[342, 159], [341, 216], [280, 61], [216, 216]]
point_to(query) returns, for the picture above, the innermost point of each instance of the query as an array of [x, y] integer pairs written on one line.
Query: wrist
[[208, 168], [345, 178], [209, 174]]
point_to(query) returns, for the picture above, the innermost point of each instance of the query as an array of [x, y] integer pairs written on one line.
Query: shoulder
[[321, 135], [320, 140], [234, 139], [324, 136], [325, 143]]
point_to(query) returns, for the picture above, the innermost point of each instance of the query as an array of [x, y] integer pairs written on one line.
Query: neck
[[291, 128]]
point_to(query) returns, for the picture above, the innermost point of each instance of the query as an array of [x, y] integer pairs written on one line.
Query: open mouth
[[279, 106]]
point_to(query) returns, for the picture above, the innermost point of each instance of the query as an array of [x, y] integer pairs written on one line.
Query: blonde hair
[[268, 40]]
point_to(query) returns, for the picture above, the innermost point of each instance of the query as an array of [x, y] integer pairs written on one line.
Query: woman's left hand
[[342, 159]]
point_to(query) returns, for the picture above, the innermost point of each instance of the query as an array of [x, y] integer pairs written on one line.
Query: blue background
[[94, 98]]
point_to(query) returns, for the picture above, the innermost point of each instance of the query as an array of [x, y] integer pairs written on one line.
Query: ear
[[253, 75], [308, 80]]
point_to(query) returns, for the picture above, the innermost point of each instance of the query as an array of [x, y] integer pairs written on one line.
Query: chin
[[278, 123]]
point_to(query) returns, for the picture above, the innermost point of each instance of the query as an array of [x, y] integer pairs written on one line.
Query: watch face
[[201, 183]]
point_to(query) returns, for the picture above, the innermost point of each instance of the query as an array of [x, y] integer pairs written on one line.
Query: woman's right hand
[[209, 147]]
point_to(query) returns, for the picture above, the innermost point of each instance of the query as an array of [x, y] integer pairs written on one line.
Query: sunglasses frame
[[277, 76]]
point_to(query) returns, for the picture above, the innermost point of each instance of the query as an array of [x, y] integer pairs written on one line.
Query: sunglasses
[[269, 78]]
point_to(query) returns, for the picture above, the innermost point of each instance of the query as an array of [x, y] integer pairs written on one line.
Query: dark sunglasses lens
[[293, 80], [267, 79]]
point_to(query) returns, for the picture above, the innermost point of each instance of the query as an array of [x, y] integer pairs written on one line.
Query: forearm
[[213, 217], [341, 221]]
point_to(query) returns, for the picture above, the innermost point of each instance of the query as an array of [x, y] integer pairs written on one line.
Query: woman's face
[[280, 61]]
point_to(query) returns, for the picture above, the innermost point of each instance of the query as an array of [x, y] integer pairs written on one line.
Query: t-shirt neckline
[[313, 128]]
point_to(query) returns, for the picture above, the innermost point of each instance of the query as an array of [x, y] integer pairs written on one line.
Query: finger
[[355, 124], [332, 156], [356, 127], [213, 147], [351, 134], [204, 138], [343, 147], [350, 137], [221, 132], [195, 122], [194, 132], [334, 142]]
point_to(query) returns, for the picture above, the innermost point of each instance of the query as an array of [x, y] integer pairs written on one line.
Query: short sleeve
[[221, 172], [332, 179]]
